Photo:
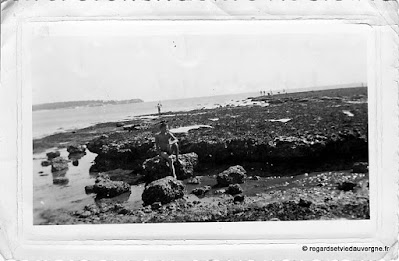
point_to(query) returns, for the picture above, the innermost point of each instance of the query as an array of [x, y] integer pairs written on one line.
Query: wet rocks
[[360, 167], [104, 187], [164, 190], [76, 149], [58, 164], [156, 168], [53, 154], [233, 175], [201, 191], [234, 189], [75, 163]]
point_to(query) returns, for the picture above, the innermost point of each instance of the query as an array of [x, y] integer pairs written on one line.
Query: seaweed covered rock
[[76, 149], [233, 175], [156, 168], [104, 187], [58, 164], [164, 190]]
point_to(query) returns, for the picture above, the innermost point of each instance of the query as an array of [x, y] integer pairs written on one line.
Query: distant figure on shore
[[159, 106], [167, 145]]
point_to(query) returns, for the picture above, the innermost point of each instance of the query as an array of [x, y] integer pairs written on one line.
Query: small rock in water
[[233, 175], [254, 178], [75, 163], [40, 172], [52, 155], [76, 149], [104, 187], [234, 189], [46, 163]]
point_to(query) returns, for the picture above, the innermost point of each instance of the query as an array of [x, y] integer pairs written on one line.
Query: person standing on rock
[[159, 106], [167, 145]]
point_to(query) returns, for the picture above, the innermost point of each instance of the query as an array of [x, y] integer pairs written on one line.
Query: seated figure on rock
[[167, 145]]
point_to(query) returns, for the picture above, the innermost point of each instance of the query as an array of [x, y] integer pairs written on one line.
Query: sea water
[[47, 122]]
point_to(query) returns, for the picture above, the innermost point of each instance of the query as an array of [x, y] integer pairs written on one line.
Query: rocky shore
[[322, 134]]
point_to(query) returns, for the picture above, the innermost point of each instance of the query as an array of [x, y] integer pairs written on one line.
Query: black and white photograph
[[187, 126], [199, 130]]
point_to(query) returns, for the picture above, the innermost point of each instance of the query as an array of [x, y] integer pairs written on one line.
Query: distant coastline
[[75, 104]]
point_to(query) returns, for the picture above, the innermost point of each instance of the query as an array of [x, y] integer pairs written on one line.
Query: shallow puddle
[[188, 128]]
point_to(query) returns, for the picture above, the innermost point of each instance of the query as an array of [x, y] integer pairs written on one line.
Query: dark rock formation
[[115, 151], [233, 175], [234, 189], [104, 187], [163, 190], [52, 155], [58, 164], [75, 162], [360, 167], [76, 149], [346, 186], [156, 168]]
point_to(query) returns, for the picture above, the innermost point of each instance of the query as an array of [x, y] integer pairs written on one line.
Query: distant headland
[[74, 104]]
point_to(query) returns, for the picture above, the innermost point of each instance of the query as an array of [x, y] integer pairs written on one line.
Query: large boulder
[[156, 168], [233, 175], [164, 190], [76, 149], [104, 187], [58, 164]]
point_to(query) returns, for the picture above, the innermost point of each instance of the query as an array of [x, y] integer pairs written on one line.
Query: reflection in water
[[59, 178]]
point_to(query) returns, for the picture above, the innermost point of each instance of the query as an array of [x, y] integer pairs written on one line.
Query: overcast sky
[[190, 64]]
